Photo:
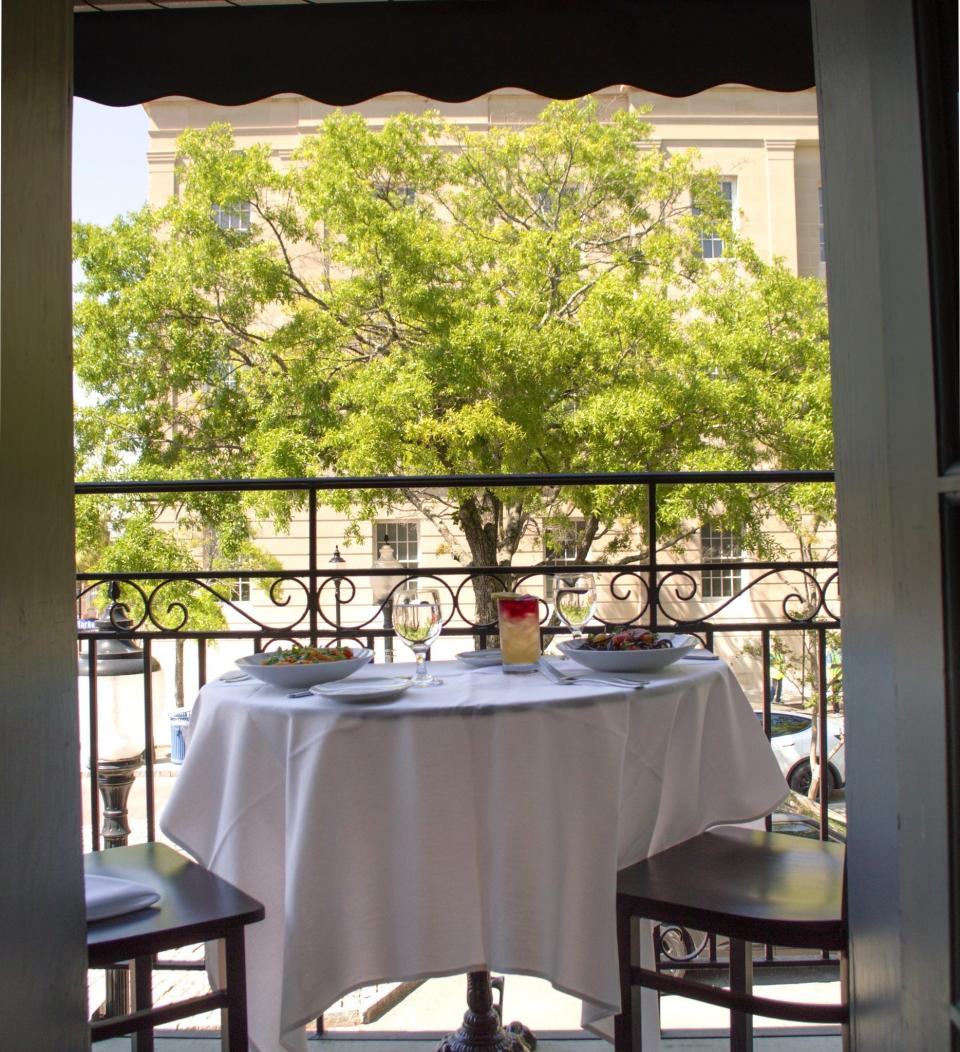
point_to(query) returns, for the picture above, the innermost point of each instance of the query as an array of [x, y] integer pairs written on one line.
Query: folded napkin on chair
[[111, 896]]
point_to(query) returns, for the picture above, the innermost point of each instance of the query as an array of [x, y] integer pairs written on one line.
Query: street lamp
[[121, 735], [120, 739], [337, 560], [383, 588]]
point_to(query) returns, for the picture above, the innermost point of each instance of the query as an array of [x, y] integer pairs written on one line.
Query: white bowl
[[630, 660], [299, 677]]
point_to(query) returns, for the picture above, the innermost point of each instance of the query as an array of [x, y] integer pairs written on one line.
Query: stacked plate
[[480, 658]]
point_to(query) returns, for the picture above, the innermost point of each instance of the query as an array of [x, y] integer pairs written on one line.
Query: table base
[[481, 1030]]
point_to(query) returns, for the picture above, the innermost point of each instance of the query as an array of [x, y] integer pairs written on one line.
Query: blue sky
[[109, 167], [109, 160]]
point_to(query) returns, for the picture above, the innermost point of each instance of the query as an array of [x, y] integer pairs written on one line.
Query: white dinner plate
[[380, 688], [480, 658]]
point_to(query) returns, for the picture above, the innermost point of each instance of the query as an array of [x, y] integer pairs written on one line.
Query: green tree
[[425, 300], [123, 535]]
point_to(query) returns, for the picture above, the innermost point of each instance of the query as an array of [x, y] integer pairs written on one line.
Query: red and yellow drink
[[519, 617]]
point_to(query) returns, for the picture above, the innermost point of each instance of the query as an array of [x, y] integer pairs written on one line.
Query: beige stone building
[[765, 146]]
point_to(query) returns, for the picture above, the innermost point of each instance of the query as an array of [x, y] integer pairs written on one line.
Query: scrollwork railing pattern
[[341, 605]]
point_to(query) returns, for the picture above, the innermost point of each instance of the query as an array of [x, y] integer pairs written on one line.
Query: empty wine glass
[[575, 600], [417, 619]]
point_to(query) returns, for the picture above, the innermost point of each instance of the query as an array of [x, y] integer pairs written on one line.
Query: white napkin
[[112, 896]]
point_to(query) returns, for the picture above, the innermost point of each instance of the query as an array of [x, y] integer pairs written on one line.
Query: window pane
[[823, 245], [233, 217], [711, 246], [560, 546], [239, 590], [403, 537], [719, 546], [782, 723]]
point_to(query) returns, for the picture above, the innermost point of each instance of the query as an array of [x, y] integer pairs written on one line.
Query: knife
[[549, 671]]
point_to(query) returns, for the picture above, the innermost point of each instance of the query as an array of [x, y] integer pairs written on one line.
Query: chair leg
[[141, 980], [623, 1023], [636, 990], [233, 1018], [741, 982], [845, 1000]]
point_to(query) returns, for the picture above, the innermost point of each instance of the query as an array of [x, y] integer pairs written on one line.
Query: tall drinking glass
[[519, 618], [417, 620], [575, 599]]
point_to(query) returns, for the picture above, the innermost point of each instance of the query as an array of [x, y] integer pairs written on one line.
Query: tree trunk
[[178, 675], [492, 543]]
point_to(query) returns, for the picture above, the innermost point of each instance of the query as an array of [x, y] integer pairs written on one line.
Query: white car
[[790, 738]]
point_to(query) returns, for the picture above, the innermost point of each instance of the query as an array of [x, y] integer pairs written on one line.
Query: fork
[[569, 681]]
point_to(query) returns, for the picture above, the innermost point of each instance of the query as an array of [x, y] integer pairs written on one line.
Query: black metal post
[[312, 555], [482, 1030], [115, 779], [652, 551], [388, 628]]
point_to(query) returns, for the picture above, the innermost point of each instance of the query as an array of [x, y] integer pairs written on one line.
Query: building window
[[233, 217], [238, 589], [396, 196], [711, 244], [546, 202], [823, 243], [403, 538], [560, 545], [719, 546]]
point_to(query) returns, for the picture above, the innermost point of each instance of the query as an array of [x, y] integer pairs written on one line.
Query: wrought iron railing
[[317, 602]]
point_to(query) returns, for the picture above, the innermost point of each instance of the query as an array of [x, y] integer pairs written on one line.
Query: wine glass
[[417, 620], [575, 599]]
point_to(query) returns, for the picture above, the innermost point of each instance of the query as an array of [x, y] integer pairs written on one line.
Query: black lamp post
[[337, 560]]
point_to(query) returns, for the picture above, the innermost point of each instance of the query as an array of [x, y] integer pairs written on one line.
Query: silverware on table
[[611, 680], [300, 694]]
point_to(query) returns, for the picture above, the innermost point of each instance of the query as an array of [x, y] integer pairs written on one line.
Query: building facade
[[764, 147]]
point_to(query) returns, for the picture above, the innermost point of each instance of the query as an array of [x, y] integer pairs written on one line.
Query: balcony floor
[[419, 1020], [421, 1043]]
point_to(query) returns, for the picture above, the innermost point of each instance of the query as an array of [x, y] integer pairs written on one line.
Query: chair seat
[[195, 905], [746, 884]]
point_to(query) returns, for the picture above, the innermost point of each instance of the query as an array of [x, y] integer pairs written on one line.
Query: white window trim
[[725, 180], [391, 528], [723, 577]]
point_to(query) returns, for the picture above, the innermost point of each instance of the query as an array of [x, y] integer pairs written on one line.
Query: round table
[[474, 826]]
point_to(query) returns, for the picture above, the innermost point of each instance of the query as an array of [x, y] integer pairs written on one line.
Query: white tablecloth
[[476, 825]]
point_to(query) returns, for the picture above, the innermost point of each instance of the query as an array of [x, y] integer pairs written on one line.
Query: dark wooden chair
[[194, 906], [747, 885]]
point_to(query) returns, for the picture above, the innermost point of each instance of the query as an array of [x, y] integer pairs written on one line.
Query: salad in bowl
[[296, 667], [629, 649]]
